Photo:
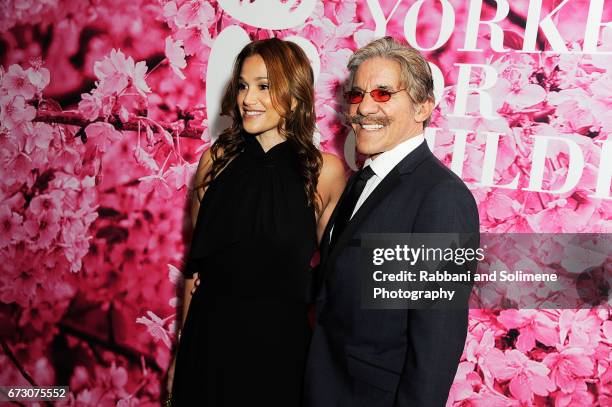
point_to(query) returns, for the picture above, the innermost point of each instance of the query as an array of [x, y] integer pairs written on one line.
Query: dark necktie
[[348, 204]]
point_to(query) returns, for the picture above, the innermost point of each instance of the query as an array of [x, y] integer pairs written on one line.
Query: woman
[[266, 194]]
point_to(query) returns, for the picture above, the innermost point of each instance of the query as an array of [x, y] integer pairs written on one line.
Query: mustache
[[361, 119]]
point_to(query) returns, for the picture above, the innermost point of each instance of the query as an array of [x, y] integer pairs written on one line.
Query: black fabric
[[246, 332], [347, 206]]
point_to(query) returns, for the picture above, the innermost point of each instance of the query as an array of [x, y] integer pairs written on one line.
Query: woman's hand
[[196, 283], [170, 376]]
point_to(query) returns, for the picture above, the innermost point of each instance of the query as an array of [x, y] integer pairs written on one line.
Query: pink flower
[[117, 71], [155, 183], [92, 397], [606, 328], [170, 9], [174, 274], [500, 206], [39, 135], [476, 351], [155, 326], [527, 377], [44, 229], [363, 37], [602, 60], [196, 41], [21, 165], [143, 158], [43, 372], [46, 202], [118, 376], [39, 77], [113, 84], [563, 216], [102, 135], [176, 56], [582, 326], [463, 385], [79, 379], [130, 401], [195, 13], [568, 367], [579, 397], [180, 176], [532, 325], [17, 83], [14, 111], [575, 116], [137, 74], [10, 226], [515, 85], [489, 398], [90, 106], [520, 95], [342, 11], [124, 115], [115, 63]]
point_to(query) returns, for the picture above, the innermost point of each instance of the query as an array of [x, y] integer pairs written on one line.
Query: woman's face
[[258, 115]]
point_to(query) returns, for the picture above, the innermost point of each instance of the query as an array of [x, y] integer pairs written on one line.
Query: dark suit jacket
[[388, 358]]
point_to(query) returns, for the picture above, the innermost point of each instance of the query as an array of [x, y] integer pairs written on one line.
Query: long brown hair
[[291, 78]]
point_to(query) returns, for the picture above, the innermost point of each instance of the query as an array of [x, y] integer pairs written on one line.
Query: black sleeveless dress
[[246, 334]]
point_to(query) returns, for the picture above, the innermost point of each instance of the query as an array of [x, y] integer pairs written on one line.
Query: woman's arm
[[332, 180], [204, 167]]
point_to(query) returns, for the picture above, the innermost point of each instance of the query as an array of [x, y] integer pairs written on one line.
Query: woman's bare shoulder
[[331, 178], [332, 168]]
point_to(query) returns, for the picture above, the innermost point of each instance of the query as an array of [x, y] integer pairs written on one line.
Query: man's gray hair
[[416, 74]]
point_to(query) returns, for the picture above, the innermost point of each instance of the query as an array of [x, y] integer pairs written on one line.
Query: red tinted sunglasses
[[379, 95]]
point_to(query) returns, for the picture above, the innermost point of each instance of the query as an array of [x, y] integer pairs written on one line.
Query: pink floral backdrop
[[103, 118]]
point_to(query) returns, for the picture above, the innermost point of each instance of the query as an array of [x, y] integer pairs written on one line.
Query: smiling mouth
[[253, 113], [371, 127]]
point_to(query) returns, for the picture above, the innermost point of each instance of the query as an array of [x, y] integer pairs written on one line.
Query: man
[[370, 357]]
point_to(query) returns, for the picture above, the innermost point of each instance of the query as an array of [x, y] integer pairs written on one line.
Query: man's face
[[380, 126]]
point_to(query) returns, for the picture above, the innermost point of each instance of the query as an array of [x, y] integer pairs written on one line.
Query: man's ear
[[422, 111]]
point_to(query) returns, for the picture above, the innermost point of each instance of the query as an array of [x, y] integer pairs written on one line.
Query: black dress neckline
[[256, 149]]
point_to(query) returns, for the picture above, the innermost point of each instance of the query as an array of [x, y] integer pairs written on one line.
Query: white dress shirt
[[384, 163]]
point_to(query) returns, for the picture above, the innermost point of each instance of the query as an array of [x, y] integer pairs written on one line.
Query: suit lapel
[[386, 185], [406, 166]]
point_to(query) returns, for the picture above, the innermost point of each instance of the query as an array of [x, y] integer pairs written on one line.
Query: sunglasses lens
[[354, 96], [380, 95]]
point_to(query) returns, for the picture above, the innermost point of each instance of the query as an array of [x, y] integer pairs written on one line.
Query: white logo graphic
[[269, 14], [222, 55]]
